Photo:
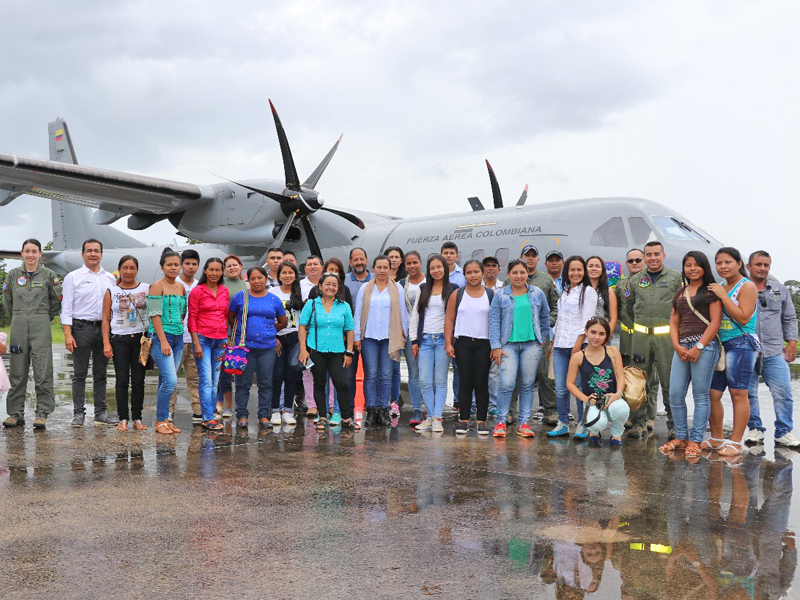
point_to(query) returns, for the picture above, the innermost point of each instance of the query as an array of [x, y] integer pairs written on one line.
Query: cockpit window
[[611, 233], [675, 229], [640, 230]]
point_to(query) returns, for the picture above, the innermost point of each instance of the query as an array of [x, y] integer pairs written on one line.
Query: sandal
[[731, 448], [322, 423], [139, 426], [213, 425], [264, 423], [673, 445], [242, 423], [312, 414], [707, 445], [163, 427], [123, 425], [174, 429], [692, 450]]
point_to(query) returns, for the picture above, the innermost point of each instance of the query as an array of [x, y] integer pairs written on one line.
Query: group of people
[[300, 340]]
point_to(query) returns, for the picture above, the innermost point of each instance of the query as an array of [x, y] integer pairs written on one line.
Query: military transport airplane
[[249, 216]]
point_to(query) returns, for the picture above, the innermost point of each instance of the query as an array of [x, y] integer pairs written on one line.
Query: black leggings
[[473, 357], [128, 368], [331, 364], [283, 375]]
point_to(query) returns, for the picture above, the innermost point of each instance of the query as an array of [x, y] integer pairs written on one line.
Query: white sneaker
[[754, 436], [276, 419], [426, 425], [437, 426], [788, 440], [288, 418]]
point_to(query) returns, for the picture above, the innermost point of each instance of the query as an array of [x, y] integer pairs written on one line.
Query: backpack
[[460, 295]]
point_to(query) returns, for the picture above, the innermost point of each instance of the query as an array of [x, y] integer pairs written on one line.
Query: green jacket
[[649, 303], [621, 291], [545, 283], [40, 294]]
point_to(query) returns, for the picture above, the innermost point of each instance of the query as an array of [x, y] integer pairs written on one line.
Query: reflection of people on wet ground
[[602, 384], [776, 544]]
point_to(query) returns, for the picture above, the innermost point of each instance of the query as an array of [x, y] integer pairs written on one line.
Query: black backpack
[[460, 295]]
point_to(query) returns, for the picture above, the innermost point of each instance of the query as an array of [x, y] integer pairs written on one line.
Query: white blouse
[[572, 316]]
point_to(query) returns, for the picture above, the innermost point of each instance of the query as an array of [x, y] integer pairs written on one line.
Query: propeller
[[498, 198], [523, 197], [299, 201]]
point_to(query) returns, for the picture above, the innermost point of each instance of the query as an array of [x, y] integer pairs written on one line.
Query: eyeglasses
[[762, 301], [634, 261]]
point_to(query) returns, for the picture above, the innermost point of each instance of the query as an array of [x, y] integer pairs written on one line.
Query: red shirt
[[208, 315]]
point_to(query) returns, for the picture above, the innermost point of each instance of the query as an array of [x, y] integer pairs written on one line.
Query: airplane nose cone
[[320, 200]]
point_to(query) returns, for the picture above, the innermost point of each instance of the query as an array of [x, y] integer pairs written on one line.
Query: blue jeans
[[522, 360], [208, 369], [261, 362], [700, 374], [414, 389], [167, 371], [775, 372], [740, 362], [377, 372], [395, 381], [561, 357], [283, 375], [433, 367]]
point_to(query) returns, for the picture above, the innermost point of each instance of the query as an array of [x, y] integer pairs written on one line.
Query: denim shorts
[[741, 353]]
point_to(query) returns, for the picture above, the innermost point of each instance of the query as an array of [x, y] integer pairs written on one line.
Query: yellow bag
[[635, 391]]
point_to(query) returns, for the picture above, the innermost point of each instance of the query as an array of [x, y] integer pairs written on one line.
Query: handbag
[[294, 358], [145, 342], [234, 360], [720, 366]]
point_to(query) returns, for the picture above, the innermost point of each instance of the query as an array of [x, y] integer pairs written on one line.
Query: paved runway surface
[[97, 513]]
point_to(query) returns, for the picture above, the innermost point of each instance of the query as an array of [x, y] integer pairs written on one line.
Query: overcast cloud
[[689, 103]]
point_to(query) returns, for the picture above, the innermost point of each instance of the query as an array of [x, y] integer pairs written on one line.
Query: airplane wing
[[111, 191]]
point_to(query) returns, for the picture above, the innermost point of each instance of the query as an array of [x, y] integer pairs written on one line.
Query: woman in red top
[[208, 326]]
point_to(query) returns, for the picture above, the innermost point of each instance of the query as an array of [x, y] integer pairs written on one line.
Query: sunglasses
[[634, 261], [762, 301]]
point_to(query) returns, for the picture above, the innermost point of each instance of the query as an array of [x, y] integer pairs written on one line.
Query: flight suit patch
[[22, 281], [37, 284], [5, 285], [627, 292], [644, 282], [56, 281]]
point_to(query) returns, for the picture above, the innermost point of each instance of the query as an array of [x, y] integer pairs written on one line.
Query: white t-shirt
[[434, 315], [129, 309], [187, 337], [410, 291], [293, 316], [305, 287], [472, 318]]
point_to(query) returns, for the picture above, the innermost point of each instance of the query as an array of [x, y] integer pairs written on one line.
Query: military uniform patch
[[22, 281], [56, 281], [644, 282], [627, 292], [5, 285]]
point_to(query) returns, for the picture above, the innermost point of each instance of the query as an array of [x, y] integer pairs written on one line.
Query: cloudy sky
[[690, 103]]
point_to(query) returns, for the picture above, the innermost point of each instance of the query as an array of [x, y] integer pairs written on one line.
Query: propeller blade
[[352, 218], [313, 179], [475, 203], [523, 197], [498, 199], [280, 198], [313, 245], [292, 180], [278, 241]]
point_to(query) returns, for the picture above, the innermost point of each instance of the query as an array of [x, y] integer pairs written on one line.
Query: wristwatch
[[349, 353], [700, 345]]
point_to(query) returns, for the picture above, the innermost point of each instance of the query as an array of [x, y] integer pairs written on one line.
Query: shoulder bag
[[145, 359], [234, 360], [720, 366], [635, 392]]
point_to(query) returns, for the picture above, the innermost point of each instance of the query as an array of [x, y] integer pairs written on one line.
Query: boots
[[370, 419], [383, 418]]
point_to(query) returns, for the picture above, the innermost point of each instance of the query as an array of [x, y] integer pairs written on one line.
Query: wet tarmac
[[292, 513]]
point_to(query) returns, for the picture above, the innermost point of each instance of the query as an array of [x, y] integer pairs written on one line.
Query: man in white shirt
[[313, 268], [491, 270], [274, 260], [190, 263], [81, 317]]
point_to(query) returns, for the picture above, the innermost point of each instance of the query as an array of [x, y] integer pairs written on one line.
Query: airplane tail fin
[[72, 224]]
